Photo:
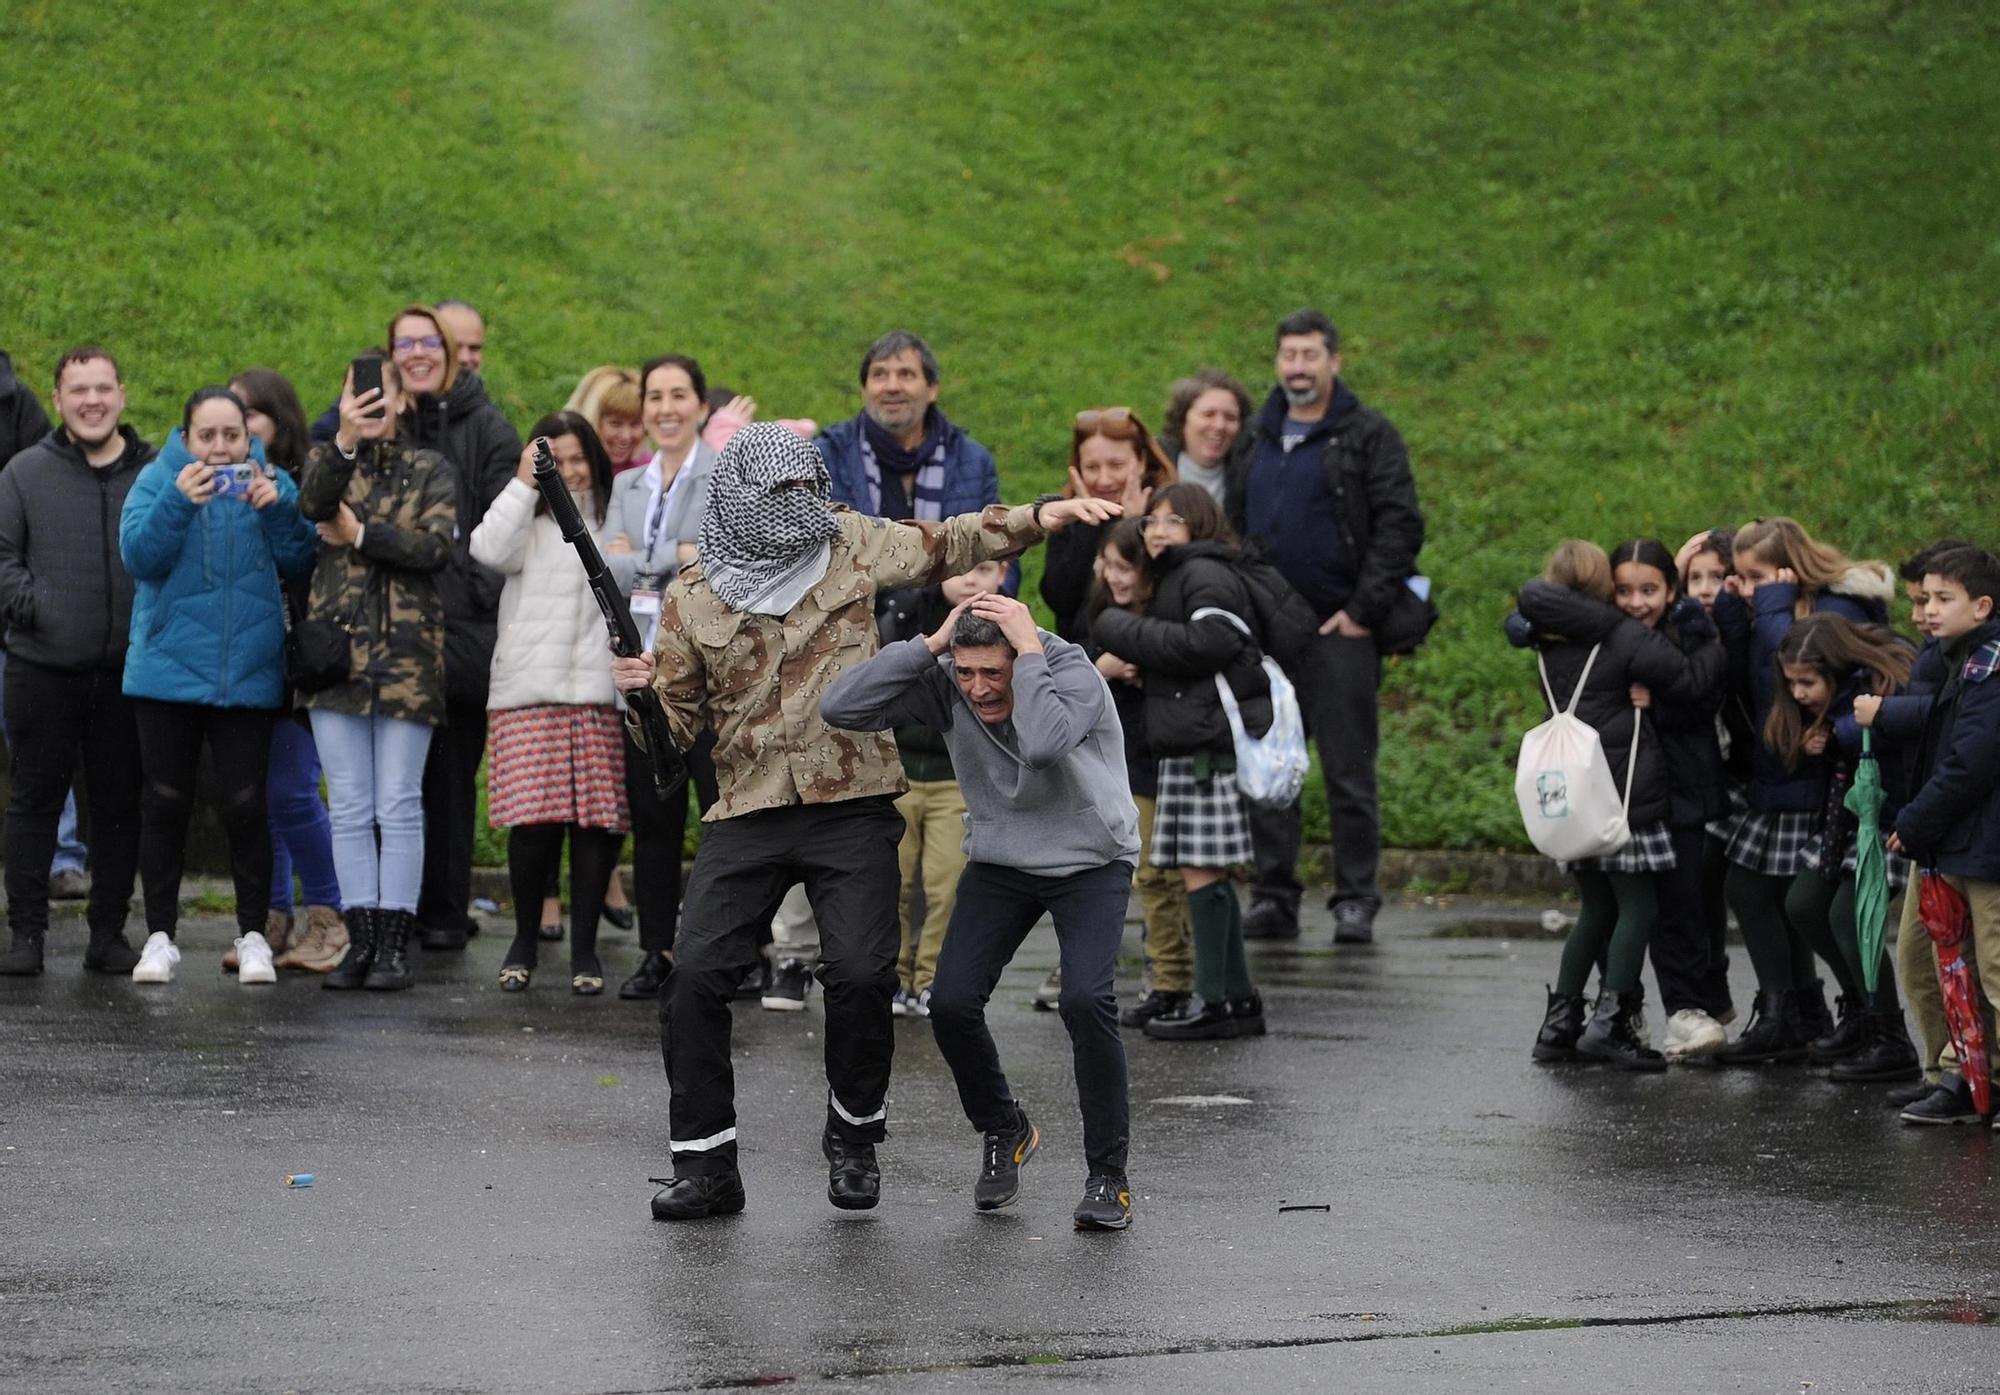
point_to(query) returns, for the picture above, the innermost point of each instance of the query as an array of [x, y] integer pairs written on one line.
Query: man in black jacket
[[67, 602], [1324, 486]]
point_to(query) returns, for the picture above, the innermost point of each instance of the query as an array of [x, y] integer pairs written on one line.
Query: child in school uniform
[[1706, 562], [1952, 823], [1585, 641], [1782, 575]]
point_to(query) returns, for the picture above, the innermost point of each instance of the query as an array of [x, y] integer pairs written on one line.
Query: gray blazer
[[626, 518]]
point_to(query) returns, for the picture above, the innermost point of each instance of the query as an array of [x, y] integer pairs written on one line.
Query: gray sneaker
[[1354, 923], [70, 884], [1048, 997]]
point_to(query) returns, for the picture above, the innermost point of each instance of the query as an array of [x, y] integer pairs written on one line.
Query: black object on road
[[668, 769]]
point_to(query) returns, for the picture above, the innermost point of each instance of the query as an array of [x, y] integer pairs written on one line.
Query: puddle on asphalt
[[1489, 929]]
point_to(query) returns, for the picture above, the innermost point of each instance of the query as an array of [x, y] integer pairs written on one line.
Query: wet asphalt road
[[480, 1218]]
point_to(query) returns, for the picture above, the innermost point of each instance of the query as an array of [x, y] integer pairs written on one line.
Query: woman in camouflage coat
[[387, 515]]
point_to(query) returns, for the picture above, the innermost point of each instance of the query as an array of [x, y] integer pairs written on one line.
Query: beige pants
[[1984, 953], [934, 844], [1163, 901], [1916, 969]]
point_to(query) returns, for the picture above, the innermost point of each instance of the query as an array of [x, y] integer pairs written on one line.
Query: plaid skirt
[[1898, 865], [1773, 844], [557, 764], [1196, 825], [1651, 850]]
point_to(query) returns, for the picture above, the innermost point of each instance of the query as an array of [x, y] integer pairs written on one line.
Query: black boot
[[1809, 1017], [1885, 1054], [1246, 1016], [647, 978], [1560, 1029], [391, 968], [1845, 1039], [1767, 1036], [352, 970], [1617, 1033], [110, 953], [1197, 1020], [853, 1180], [694, 1196], [446, 939], [23, 958]]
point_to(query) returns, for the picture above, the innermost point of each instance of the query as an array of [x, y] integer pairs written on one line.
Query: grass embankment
[[1615, 268]]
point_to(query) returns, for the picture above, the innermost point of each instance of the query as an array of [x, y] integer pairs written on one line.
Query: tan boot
[[277, 934], [320, 946]]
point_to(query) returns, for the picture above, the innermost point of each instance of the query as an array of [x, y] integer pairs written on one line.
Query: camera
[[233, 481]]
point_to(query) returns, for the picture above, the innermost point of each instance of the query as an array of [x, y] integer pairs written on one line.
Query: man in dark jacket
[[1324, 486], [67, 602]]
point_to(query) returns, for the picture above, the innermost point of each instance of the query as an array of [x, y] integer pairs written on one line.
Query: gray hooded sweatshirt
[[1045, 791]]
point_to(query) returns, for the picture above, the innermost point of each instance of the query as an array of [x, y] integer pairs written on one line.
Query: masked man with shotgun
[[779, 602]]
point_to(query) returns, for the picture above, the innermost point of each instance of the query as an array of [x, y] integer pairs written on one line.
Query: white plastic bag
[[1569, 798], [1270, 769]]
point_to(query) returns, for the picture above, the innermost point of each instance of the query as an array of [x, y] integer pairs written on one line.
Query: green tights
[[1821, 909], [1616, 920], [1215, 918], [1778, 952]]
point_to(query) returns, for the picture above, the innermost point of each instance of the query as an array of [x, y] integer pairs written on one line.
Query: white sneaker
[[899, 1006], [253, 955], [157, 959], [920, 1006], [1692, 1032]]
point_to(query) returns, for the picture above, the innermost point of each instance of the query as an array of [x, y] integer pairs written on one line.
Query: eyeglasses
[[403, 343], [1092, 418], [1164, 520]]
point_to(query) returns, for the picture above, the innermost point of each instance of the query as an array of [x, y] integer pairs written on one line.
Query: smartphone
[[368, 376]]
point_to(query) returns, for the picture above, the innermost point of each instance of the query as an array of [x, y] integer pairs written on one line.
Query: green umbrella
[[1871, 864]]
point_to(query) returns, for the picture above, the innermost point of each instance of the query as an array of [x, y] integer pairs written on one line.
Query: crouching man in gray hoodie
[[1050, 826]]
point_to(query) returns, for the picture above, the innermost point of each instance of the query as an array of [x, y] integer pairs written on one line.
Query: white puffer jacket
[[551, 646]]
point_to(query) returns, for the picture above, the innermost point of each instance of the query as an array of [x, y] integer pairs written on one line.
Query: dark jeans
[[171, 735], [1337, 687], [659, 832], [451, 807], [52, 718], [996, 908], [845, 853], [1679, 946]]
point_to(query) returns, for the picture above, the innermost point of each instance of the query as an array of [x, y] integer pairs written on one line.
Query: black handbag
[[1409, 619], [319, 653]]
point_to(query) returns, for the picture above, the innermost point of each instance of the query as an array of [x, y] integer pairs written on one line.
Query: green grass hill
[[1615, 267]]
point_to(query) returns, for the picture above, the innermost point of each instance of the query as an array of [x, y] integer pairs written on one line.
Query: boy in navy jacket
[[1951, 825]]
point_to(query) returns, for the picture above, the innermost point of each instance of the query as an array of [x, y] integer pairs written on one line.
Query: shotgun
[[669, 773]]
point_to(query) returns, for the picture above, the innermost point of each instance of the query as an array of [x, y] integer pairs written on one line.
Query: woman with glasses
[[1193, 631], [1111, 456]]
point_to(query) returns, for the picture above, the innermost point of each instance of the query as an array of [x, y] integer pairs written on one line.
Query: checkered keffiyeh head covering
[[769, 520]]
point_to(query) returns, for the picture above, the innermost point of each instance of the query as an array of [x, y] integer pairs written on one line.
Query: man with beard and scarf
[[779, 602], [450, 413], [1324, 486]]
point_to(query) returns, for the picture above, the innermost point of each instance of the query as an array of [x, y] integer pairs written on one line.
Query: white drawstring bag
[[1270, 769], [1568, 796]]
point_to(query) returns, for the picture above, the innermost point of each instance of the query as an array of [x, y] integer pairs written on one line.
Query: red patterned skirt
[[556, 764]]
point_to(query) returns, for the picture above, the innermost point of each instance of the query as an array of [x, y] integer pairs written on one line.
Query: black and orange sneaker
[[1000, 1166], [1106, 1204]]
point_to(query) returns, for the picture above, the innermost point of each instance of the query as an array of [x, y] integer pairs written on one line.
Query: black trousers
[[55, 718], [1679, 944], [845, 853], [995, 910], [1338, 680], [659, 832], [451, 807], [171, 735]]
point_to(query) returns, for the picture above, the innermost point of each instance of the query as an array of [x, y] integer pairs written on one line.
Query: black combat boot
[[1617, 1033], [1885, 1054], [1767, 1036], [1848, 1037], [1560, 1029], [391, 967], [352, 970]]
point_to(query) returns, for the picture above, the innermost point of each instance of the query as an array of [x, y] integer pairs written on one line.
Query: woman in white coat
[[555, 753]]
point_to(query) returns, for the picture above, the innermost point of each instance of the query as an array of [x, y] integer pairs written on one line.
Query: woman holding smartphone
[[209, 533], [387, 515]]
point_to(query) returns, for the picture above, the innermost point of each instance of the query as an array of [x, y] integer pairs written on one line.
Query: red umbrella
[[1948, 920]]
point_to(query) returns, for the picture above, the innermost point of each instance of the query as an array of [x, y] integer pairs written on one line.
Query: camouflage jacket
[[757, 679], [406, 501]]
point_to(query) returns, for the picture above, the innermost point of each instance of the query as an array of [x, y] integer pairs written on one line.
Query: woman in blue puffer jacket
[[208, 533]]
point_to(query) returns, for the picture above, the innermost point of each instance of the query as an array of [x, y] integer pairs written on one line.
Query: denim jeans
[[301, 833], [374, 780], [70, 851]]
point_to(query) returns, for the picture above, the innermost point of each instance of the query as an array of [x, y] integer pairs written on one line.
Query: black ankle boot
[[1617, 1033], [853, 1178], [1845, 1039], [1885, 1054], [1808, 1016], [1246, 1016], [1560, 1029], [23, 958], [1767, 1036], [391, 967], [647, 978], [110, 953], [352, 970]]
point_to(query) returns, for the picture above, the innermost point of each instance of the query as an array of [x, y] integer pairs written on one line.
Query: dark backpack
[[1285, 624]]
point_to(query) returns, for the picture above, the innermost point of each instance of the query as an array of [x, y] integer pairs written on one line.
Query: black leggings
[[239, 746], [534, 850]]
